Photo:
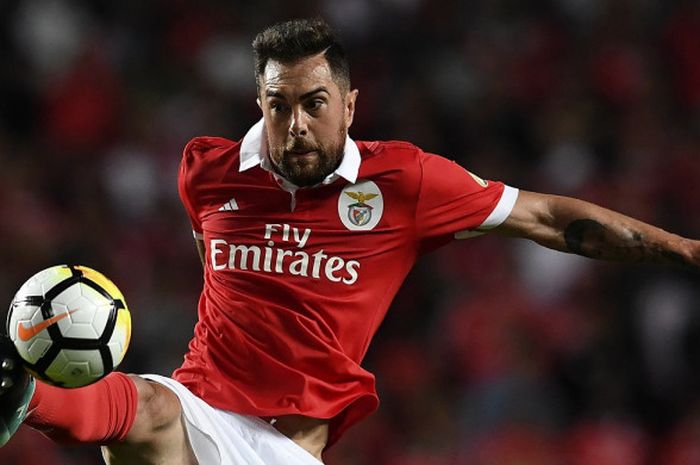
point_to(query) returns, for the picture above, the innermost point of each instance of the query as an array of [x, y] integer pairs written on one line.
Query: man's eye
[[314, 104], [277, 107]]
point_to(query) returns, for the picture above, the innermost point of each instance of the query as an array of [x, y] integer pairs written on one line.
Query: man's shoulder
[[210, 147], [209, 158], [388, 147], [392, 161], [390, 154]]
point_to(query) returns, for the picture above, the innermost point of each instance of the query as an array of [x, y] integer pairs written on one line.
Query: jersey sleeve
[[205, 162], [184, 184], [455, 203]]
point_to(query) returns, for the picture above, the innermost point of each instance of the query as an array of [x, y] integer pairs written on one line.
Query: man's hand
[[16, 390]]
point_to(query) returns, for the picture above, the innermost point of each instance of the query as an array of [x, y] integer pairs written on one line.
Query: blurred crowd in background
[[496, 351]]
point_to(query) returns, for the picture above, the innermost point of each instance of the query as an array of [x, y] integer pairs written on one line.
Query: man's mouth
[[303, 152]]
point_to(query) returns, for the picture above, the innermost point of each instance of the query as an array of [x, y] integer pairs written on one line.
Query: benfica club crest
[[360, 205], [360, 213]]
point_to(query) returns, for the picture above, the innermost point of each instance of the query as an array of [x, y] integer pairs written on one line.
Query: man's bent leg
[[139, 422]]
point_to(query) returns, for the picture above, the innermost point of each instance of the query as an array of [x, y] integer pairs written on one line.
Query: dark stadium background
[[495, 351]]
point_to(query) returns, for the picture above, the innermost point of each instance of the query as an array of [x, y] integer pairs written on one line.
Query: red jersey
[[297, 281]]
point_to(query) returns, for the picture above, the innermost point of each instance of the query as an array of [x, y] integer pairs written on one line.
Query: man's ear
[[350, 100]]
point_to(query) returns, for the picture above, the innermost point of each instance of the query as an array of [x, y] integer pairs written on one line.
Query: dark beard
[[309, 173]]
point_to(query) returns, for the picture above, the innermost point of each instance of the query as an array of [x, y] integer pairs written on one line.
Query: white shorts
[[219, 437]]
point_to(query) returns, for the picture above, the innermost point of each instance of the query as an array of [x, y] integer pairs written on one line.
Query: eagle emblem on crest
[[360, 212]]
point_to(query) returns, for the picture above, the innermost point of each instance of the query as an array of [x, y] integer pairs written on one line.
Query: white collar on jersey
[[254, 153]]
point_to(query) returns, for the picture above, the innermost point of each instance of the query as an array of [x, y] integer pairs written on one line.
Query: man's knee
[[158, 434], [158, 411]]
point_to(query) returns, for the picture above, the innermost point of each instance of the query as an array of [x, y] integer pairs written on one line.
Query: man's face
[[306, 117]]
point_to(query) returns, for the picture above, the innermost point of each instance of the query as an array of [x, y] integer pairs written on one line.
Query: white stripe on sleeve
[[498, 215], [502, 210]]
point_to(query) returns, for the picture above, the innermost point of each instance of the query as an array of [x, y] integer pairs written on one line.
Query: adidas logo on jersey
[[229, 206]]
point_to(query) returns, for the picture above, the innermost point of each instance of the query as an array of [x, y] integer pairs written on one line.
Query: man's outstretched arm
[[576, 226]]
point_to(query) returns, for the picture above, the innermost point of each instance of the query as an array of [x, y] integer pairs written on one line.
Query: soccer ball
[[70, 324]]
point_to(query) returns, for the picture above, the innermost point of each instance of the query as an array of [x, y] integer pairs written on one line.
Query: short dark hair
[[290, 41]]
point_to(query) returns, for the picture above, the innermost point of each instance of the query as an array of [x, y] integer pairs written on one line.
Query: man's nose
[[299, 126]]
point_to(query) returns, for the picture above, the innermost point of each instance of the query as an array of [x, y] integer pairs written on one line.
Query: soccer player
[[305, 236]]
